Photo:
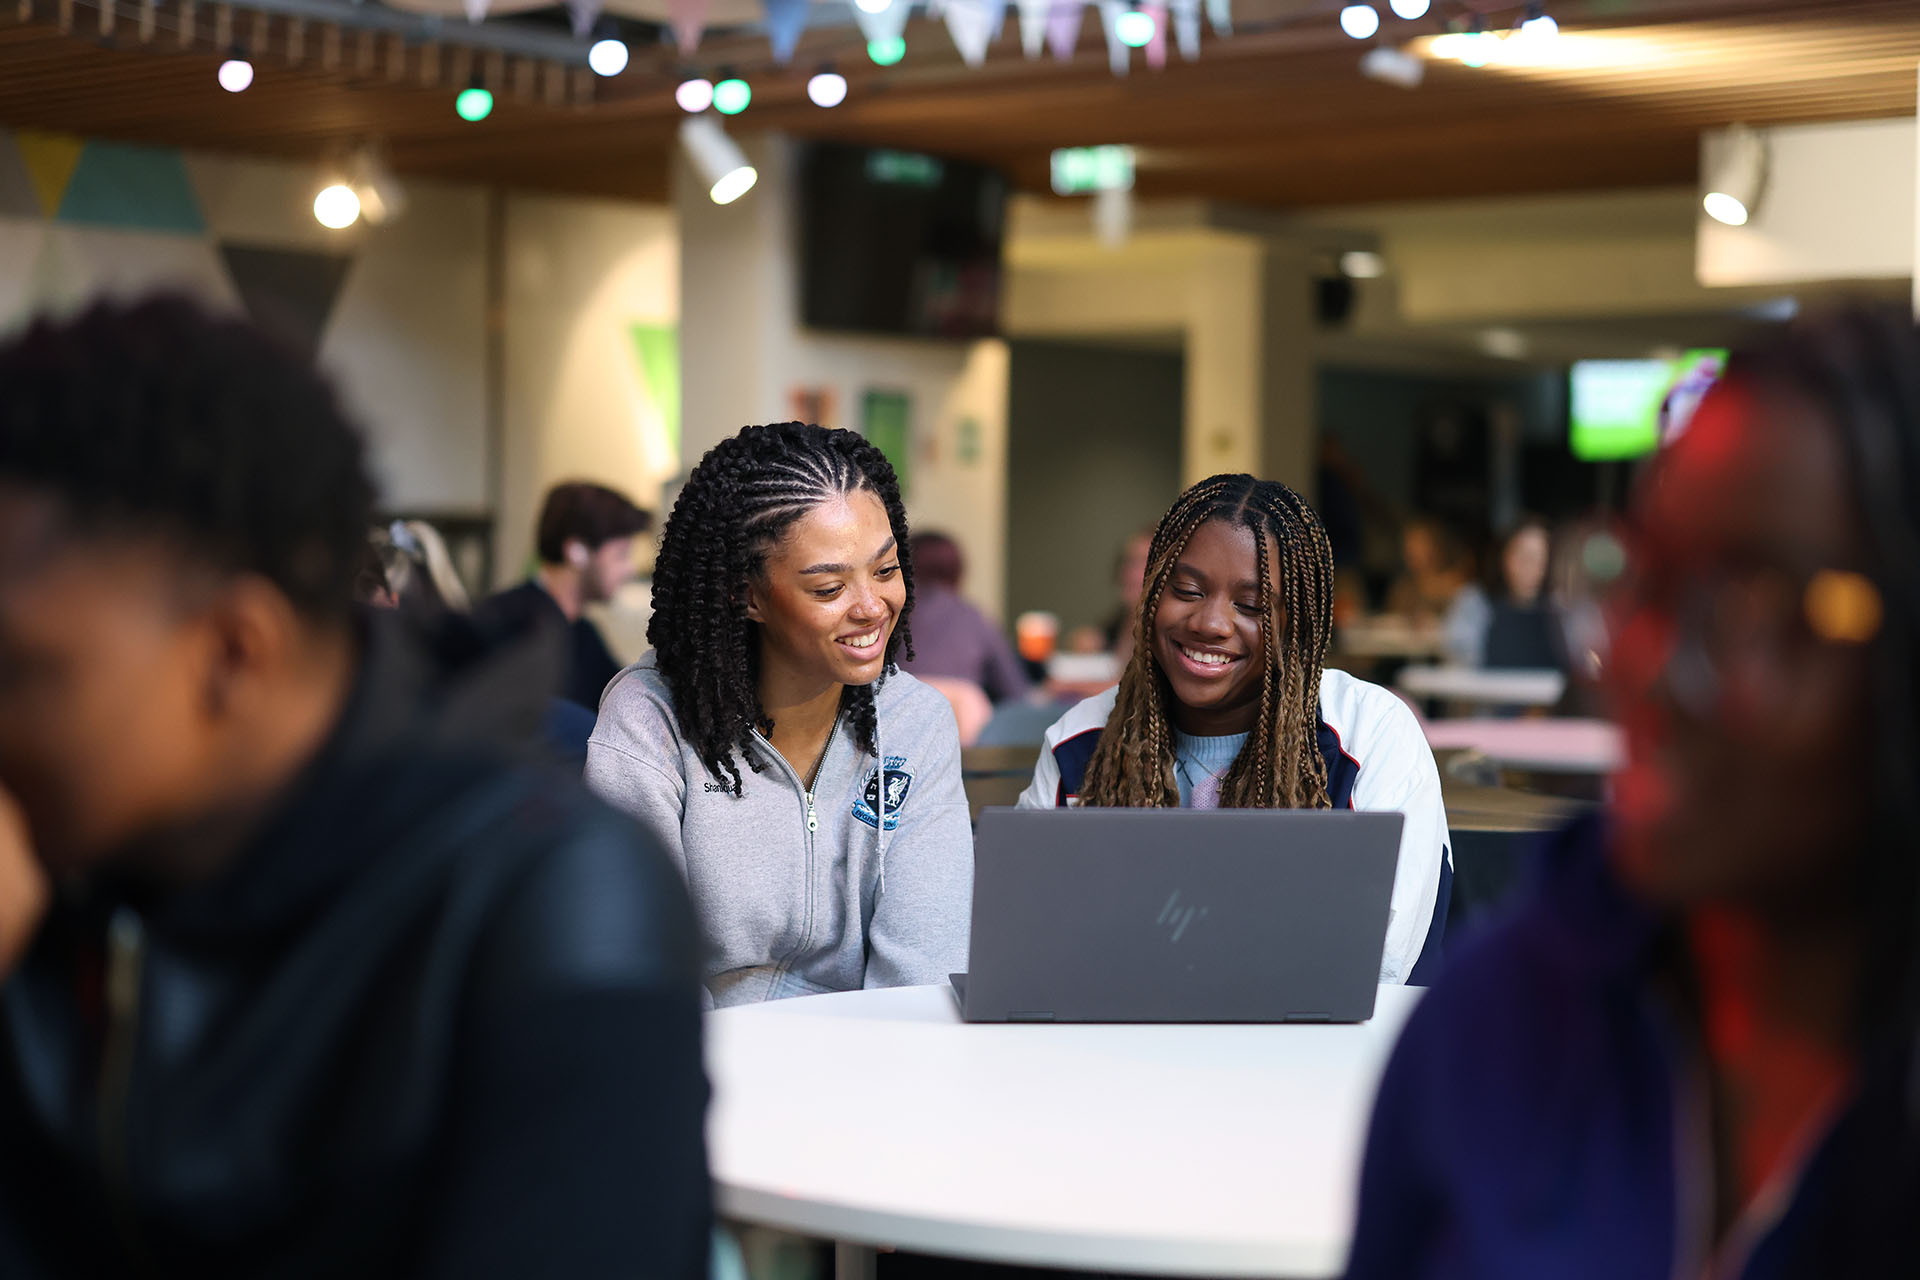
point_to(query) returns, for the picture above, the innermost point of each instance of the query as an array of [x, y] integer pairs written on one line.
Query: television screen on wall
[[899, 242], [1625, 408]]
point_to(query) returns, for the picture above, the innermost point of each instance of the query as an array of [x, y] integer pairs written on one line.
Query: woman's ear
[[755, 611]]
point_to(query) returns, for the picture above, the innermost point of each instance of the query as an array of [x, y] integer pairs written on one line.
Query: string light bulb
[[694, 96], [827, 89], [608, 57], [1134, 29], [235, 75], [732, 96], [1360, 21]]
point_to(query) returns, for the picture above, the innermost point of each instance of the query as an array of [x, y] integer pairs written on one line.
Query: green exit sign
[[1078, 170], [903, 169]]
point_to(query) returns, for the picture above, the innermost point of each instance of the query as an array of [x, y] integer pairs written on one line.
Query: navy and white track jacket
[[1377, 758]]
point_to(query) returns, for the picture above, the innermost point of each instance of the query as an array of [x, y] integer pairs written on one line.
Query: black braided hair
[[1281, 766], [746, 492]]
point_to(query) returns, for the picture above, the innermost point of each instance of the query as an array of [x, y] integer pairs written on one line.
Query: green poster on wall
[[658, 348], [884, 419]]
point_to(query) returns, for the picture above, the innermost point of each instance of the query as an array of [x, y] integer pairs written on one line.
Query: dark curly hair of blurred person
[[745, 493], [158, 419]]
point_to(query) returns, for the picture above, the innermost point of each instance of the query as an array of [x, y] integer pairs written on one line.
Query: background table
[[879, 1118], [1485, 686], [1538, 746]]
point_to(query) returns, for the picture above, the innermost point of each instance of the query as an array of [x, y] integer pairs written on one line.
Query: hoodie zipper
[[126, 959], [813, 826]]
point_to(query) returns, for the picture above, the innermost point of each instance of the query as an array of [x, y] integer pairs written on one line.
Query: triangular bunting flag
[[476, 9], [936, 9], [785, 18], [286, 291], [51, 159], [1220, 16], [973, 25], [1063, 29], [583, 13], [1119, 56], [121, 184], [1157, 47], [18, 199], [884, 25], [1186, 28], [1033, 27], [687, 18]]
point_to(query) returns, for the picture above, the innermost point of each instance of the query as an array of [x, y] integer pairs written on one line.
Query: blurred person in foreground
[[585, 546], [1692, 1050], [328, 984], [954, 639]]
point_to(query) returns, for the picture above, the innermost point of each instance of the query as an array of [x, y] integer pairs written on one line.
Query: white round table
[[1490, 686], [878, 1118]]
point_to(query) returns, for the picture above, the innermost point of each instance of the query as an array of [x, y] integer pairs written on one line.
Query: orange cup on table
[[1037, 635]]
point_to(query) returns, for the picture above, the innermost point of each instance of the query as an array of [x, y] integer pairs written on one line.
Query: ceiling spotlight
[[1134, 29], [382, 198], [1410, 9], [1736, 173], [718, 159], [694, 96], [1360, 21], [828, 89], [887, 50], [474, 104], [874, 6], [336, 207], [1362, 264], [607, 57], [236, 74], [731, 96]]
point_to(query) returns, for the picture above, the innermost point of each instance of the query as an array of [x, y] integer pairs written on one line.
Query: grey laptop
[[1178, 915]]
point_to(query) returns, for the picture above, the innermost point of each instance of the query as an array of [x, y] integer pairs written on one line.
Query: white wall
[[743, 353], [1838, 204], [579, 275]]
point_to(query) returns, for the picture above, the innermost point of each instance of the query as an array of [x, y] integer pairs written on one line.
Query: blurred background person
[[1524, 627], [1695, 1049], [331, 983], [1437, 587], [952, 639], [585, 548]]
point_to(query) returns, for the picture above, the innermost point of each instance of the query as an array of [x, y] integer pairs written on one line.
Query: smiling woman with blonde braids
[[1226, 702]]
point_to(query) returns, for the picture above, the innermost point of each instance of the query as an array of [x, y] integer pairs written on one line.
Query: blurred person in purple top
[[1694, 1049], [951, 638]]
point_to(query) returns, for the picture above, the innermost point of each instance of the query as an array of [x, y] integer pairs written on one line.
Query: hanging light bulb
[[874, 6], [732, 96], [1539, 25], [694, 96], [336, 206], [607, 57], [474, 104], [828, 89], [1360, 21], [1134, 29], [236, 74], [887, 50], [1411, 10]]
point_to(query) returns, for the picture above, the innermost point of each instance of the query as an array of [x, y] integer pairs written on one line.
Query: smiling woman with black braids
[[808, 789], [1226, 702]]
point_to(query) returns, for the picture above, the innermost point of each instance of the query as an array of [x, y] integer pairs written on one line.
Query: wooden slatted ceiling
[[1277, 116]]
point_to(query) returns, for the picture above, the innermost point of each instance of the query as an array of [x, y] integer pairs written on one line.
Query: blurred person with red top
[[1692, 1049]]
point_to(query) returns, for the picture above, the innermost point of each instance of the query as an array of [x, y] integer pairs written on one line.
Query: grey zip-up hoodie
[[868, 884]]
